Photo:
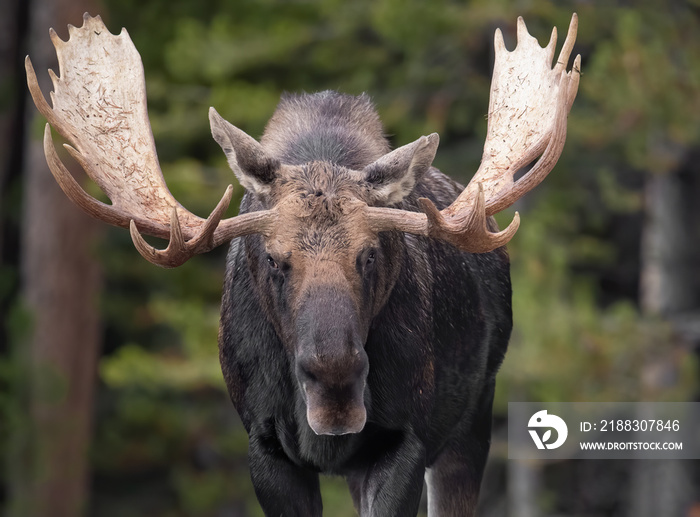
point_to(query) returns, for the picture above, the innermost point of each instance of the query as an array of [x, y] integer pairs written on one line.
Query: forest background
[[111, 398]]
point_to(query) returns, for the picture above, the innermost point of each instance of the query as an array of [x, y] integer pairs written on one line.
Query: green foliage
[[14, 419], [565, 347], [644, 80], [192, 365]]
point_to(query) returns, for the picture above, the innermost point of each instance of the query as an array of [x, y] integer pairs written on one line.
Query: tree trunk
[[59, 286], [524, 480], [670, 287], [11, 28], [668, 274]]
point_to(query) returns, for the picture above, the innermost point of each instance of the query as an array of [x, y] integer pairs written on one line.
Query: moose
[[367, 301]]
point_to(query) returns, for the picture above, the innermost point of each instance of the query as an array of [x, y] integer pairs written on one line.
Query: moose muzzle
[[331, 363]]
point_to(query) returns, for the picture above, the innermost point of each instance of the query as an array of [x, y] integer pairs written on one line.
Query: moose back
[[367, 299]]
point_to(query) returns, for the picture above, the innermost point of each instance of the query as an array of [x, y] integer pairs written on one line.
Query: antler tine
[[37, 95], [99, 106], [480, 237], [528, 109], [179, 250], [568, 46]]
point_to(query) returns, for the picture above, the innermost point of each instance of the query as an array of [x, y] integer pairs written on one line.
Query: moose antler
[[529, 105], [99, 106]]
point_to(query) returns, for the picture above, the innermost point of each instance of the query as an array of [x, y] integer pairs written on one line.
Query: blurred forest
[[111, 398]]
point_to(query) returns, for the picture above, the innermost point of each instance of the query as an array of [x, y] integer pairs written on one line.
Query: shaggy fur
[[328, 328]]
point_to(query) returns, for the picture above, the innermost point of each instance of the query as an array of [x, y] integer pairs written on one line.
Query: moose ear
[[394, 175], [254, 169]]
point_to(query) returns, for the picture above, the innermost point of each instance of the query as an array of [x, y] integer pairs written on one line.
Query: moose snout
[[331, 365], [334, 391]]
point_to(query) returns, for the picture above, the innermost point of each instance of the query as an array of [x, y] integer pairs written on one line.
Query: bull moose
[[367, 300]]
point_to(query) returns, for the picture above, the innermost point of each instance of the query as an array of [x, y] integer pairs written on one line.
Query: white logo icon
[[542, 419]]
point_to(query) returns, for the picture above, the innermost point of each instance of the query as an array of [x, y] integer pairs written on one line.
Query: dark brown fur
[[388, 344]]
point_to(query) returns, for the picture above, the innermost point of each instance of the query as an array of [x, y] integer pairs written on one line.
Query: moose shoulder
[[366, 305]]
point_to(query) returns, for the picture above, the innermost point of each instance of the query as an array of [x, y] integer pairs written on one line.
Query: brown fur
[[369, 355], [325, 126]]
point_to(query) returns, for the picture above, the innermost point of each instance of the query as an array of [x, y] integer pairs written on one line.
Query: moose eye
[[271, 262], [371, 257]]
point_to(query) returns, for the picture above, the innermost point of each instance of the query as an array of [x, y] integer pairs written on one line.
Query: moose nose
[[335, 372], [334, 392]]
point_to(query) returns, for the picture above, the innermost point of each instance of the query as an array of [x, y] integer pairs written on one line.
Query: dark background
[[111, 397]]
